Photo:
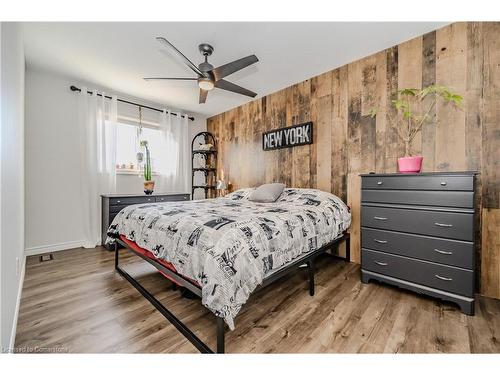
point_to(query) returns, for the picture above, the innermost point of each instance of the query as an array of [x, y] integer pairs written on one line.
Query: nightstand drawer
[[433, 223], [464, 199], [117, 208], [111, 217], [127, 201], [172, 198], [419, 182], [439, 250], [451, 279]]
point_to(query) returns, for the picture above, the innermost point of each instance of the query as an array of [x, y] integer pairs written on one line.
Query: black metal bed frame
[[308, 260]]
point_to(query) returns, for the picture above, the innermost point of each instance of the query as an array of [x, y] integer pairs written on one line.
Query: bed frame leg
[[220, 336], [348, 248], [116, 255], [310, 266]]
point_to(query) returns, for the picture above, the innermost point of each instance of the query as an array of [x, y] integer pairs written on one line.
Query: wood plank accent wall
[[347, 141]]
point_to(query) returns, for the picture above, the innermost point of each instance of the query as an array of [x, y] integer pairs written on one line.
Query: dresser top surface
[[464, 173], [140, 195]]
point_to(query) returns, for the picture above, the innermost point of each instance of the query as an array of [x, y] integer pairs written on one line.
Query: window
[[127, 147]]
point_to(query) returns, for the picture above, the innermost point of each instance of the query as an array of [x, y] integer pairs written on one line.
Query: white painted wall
[[12, 177], [53, 181]]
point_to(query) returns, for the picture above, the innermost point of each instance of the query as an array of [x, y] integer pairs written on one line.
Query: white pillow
[[267, 193]]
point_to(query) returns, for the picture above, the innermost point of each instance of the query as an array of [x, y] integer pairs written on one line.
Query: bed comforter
[[229, 245]]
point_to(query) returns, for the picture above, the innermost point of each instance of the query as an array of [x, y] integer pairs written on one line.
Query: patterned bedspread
[[229, 245]]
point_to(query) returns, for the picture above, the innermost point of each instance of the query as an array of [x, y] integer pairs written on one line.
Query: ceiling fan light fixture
[[206, 84]]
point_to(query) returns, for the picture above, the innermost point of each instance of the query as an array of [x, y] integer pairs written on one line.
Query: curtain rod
[[74, 88]]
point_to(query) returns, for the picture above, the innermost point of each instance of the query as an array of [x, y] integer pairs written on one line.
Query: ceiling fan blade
[[229, 68], [169, 78], [226, 85], [203, 96], [188, 62]]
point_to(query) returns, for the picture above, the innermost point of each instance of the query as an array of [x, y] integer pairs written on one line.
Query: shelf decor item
[[149, 184], [206, 146], [206, 150], [410, 111], [221, 187]]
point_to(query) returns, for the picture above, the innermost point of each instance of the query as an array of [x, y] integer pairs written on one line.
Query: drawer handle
[[380, 241], [379, 218], [381, 263], [443, 252], [443, 225], [379, 183], [443, 183], [444, 278]]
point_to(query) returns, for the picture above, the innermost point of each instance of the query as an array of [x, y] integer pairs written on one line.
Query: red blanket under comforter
[[150, 255]]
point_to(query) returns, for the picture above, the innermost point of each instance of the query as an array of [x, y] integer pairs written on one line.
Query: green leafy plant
[[147, 164], [413, 108]]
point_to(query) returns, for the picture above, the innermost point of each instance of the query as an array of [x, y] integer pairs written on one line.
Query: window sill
[[132, 172]]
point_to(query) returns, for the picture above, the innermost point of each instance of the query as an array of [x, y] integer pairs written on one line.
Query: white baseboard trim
[[54, 247], [12, 341]]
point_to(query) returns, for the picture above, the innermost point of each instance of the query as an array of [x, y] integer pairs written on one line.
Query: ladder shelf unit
[[204, 161]]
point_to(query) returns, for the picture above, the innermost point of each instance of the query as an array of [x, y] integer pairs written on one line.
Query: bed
[[225, 248]]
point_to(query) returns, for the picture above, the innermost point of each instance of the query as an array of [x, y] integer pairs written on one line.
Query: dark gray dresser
[[111, 204], [417, 232]]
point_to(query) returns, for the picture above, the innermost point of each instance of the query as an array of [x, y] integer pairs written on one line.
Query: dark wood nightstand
[[111, 204]]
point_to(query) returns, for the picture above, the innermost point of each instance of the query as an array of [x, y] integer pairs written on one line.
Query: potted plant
[[412, 112], [149, 184]]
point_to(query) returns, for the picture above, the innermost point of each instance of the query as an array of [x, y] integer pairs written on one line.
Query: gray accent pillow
[[267, 193]]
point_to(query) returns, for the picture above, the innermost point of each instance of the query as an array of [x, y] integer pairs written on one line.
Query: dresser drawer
[[172, 198], [127, 201], [419, 182], [434, 249], [463, 199], [117, 208], [451, 279], [111, 217], [433, 223]]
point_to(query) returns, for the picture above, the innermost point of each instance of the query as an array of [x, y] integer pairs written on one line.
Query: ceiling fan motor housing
[[206, 50], [206, 67]]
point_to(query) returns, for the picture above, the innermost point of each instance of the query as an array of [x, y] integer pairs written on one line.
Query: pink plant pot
[[410, 164]]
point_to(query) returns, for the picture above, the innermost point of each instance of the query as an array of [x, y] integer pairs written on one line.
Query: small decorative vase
[[410, 164], [149, 187]]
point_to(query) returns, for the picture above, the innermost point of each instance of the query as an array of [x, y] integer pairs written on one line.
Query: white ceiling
[[117, 55]]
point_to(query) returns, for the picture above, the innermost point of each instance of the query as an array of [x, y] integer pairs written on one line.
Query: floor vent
[[46, 257]]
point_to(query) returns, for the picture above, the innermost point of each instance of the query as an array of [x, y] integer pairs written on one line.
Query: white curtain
[[175, 163], [97, 118]]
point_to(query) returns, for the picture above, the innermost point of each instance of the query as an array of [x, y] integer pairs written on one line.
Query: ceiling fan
[[208, 76]]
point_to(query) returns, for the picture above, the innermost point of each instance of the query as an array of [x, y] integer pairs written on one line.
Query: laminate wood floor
[[78, 303]]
